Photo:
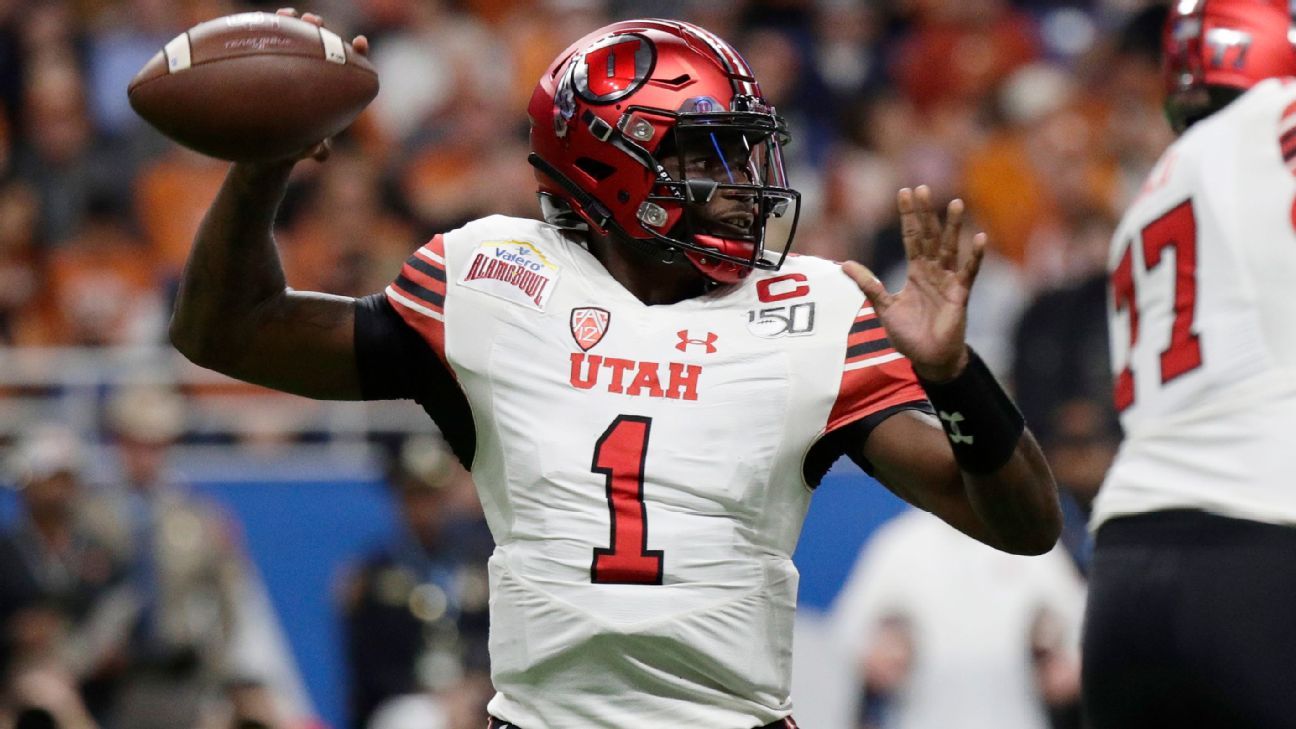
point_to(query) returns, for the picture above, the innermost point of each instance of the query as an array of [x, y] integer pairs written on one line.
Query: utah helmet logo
[[588, 325], [613, 68]]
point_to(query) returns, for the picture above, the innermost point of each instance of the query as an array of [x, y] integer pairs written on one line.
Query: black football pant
[[1191, 624]]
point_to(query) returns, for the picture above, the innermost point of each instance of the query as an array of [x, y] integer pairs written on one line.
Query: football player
[[645, 385], [1189, 621]]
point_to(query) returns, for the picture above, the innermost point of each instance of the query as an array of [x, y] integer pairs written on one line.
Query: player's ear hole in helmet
[[655, 131], [1214, 50]]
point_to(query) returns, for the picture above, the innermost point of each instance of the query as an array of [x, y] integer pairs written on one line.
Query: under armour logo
[[708, 342], [955, 435]]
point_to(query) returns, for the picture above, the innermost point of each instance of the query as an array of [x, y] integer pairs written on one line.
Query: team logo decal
[[613, 68], [707, 342], [564, 107], [793, 320], [588, 325], [701, 105], [512, 270]]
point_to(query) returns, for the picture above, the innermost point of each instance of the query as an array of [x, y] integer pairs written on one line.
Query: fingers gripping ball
[[253, 86]]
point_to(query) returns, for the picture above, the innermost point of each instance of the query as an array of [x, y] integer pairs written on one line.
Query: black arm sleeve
[[832, 446], [395, 363]]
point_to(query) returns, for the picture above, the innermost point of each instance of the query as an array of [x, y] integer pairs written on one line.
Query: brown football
[[253, 86]]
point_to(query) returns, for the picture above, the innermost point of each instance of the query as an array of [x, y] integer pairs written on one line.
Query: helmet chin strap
[[652, 248], [716, 269]]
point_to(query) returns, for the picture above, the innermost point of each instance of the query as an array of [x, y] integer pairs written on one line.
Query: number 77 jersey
[[1203, 320], [641, 467]]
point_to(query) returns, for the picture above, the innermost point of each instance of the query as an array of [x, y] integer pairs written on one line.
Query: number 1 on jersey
[[619, 455]]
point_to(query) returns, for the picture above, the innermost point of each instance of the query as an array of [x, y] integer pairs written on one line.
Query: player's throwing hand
[[926, 319], [359, 44]]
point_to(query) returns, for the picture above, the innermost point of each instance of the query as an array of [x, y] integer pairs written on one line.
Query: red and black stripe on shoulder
[[419, 292], [875, 376], [423, 278], [867, 342]]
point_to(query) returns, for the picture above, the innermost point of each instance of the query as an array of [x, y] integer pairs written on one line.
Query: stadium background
[[1043, 115]]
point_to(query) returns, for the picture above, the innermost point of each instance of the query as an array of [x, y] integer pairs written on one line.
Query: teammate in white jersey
[[645, 386], [1194, 576]]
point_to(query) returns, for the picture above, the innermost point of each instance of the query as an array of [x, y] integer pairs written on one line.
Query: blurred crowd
[[128, 602], [121, 603], [1044, 116]]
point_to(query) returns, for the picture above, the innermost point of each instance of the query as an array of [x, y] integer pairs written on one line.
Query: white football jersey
[[1203, 321], [971, 612], [641, 468]]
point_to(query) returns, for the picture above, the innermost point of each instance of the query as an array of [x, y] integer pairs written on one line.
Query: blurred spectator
[[171, 196], [1062, 380], [19, 285], [343, 241], [1124, 81], [1043, 173], [248, 705], [845, 54], [43, 698], [790, 84], [1082, 440], [1061, 351], [428, 54], [102, 284], [536, 32], [443, 176], [183, 566], [128, 33], [951, 633], [61, 159], [959, 50], [415, 609], [57, 580], [862, 176]]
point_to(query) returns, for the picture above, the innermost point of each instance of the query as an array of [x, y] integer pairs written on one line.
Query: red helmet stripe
[[729, 58], [735, 61]]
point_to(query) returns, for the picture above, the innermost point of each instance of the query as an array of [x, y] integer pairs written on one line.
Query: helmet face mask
[[724, 175], [656, 131], [1216, 49]]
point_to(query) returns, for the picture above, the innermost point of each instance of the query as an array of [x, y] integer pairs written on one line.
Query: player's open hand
[[927, 319], [359, 44]]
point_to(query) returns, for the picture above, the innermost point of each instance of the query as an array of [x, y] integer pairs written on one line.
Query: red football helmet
[[1215, 49], [626, 97]]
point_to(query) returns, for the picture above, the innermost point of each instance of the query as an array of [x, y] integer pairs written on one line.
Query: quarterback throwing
[[645, 385]]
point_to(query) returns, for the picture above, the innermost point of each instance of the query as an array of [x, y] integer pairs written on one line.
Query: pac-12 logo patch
[[512, 270], [588, 325]]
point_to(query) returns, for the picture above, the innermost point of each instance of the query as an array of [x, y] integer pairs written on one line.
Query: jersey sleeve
[[395, 361], [875, 377], [419, 291]]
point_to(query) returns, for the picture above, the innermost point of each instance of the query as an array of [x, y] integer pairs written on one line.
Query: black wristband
[[980, 420]]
